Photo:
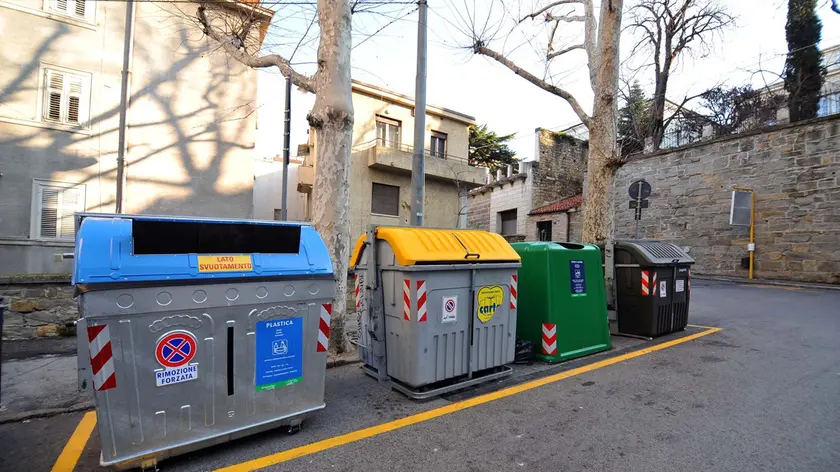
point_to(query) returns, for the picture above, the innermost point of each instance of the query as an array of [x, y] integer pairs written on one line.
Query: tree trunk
[[332, 117], [603, 151], [657, 131]]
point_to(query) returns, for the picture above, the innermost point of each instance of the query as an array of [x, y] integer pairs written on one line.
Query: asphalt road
[[761, 395]]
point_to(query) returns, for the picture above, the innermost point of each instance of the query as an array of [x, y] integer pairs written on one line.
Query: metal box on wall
[[195, 333]]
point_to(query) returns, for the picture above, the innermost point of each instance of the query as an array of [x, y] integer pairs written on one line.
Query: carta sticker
[[279, 353], [489, 300], [577, 275]]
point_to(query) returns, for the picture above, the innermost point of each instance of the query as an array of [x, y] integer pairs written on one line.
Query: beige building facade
[[380, 174], [191, 122]]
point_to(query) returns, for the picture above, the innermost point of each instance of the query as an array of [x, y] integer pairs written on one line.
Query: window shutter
[[80, 8], [60, 5], [74, 95], [49, 212], [71, 202], [54, 92]]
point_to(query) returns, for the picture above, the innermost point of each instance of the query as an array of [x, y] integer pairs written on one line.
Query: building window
[[544, 230], [438, 147], [53, 206], [66, 97], [507, 222], [385, 200], [79, 9], [387, 132]]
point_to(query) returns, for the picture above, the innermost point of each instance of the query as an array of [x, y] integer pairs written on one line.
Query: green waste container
[[562, 302]]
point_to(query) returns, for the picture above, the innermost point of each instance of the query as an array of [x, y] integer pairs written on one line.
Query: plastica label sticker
[[225, 264], [279, 353], [489, 300], [174, 351], [450, 310]]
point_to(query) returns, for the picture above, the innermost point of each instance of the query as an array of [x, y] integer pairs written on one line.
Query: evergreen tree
[[634, 120], [803, 68], [488, 149]]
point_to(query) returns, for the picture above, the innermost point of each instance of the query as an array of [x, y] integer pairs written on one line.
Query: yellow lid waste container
[[437, 307]]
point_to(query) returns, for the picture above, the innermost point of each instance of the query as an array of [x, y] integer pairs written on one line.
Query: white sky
[[480, 87]]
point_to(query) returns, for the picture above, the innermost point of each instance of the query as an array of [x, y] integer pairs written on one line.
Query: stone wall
[[37, 308], [559, 226], [795, 172], [576, 224], [485, 203], [478, 215], [559, 172]]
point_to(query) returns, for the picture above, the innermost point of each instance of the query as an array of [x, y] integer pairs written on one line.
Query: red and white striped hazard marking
[[654, 284], [513, 287], [358, 290], [324, 328], [101, 358], [645, 283], [421, 300], [549, 339], [406, 300]]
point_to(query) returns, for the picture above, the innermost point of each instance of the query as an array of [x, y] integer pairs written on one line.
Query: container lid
[[157, 249], [655, 252], [425, 245]]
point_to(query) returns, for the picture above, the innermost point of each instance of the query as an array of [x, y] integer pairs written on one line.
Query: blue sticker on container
[[279, 353], [578, 278]]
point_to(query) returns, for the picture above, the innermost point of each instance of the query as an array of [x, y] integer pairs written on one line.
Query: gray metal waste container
[[195, 332], [437, 311]]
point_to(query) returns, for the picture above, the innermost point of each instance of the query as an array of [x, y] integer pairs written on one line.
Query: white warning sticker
[[663, 286], [450, 310], [680, 286], [176, 375]]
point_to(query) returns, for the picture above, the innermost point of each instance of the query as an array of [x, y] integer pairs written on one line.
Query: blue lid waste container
[[199, 331]]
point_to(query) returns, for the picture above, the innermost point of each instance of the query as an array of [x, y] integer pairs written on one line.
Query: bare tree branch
[[579, 111], [551, 5], [232, 44], [552, 55]]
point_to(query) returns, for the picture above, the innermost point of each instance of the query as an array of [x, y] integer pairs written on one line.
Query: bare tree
[[670, 29], [239, 28], [601, 46]]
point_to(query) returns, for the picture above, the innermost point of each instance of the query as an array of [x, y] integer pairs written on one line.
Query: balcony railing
[[398, 146]]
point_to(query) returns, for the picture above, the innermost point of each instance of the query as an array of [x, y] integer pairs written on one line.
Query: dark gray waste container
[[653, 285]]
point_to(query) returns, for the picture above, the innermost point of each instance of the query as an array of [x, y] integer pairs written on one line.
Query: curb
[[781, 283], [48, 412]]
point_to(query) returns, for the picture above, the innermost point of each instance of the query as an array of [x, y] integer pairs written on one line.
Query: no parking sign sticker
[[450, 310], [174, 351]]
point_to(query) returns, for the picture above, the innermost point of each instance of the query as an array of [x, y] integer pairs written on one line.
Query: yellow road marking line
[[704, 327], [369, 432], [66, 462]]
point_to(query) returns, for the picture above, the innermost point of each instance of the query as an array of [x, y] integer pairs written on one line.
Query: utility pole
[[418, 165], [286, 133], [125, 99]]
